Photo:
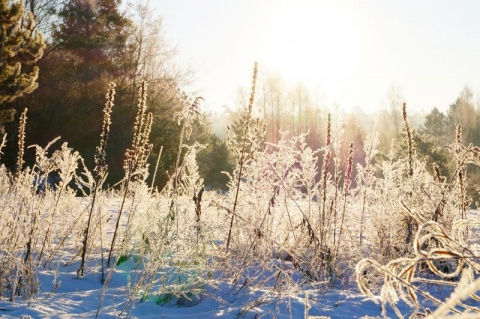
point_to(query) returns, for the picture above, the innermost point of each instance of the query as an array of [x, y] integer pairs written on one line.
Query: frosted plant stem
[[156, 167], [118, 223], [234, 205], [81, 269]]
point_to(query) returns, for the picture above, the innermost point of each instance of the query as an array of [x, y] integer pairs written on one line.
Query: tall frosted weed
[[135, 163], [100, 172], [249, 144]]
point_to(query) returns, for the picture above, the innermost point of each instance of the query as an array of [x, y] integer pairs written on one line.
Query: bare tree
[[273, 103], [390, 121], [395, 100], [152, 55], [464, 112], [299, 99], [44, 13]]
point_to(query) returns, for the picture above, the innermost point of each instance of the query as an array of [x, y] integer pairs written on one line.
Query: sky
[[350, 52]]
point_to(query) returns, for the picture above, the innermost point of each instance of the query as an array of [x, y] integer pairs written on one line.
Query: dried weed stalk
[[135, 164], [100, 172]]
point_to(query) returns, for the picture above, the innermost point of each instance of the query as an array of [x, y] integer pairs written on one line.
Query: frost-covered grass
[[184, 281], [294, 235]]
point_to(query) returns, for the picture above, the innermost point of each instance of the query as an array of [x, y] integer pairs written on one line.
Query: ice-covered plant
[[32, 202], [365, 179], [404, 280], [100, 171], [64, 163], [253, 134], [187, 180], [187, 116], [135, 164], [21, 140], [136, 173]]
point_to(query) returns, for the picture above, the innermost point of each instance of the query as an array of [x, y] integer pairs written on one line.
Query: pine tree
[[88, 49], [95, 33], [20, 49], [238, 125]]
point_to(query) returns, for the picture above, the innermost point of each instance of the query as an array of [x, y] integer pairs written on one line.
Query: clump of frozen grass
[[186, 117], [29, 203], [65, 162], [164, 232], [320, 227], [174, 263], [175, 249], [442, 246], [285, 211], [384, 225], [277, 216], [445, 255]]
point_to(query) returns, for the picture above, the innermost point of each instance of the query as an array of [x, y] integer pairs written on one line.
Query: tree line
[[295, 110], [73, 50]]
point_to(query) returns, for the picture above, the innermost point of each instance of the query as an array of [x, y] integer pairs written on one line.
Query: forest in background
[[88, 44]]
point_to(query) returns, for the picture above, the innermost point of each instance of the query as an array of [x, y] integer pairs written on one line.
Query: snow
[[80, 298], [64, 295]]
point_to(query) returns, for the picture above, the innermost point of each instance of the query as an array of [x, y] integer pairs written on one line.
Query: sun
[[311, 42]]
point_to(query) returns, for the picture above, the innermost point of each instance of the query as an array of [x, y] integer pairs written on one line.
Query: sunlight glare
[[311, 43]]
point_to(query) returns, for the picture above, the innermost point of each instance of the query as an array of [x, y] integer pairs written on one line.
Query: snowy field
[[63, 295]]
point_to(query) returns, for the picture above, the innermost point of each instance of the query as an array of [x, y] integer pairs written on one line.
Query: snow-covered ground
[[64, 296]]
